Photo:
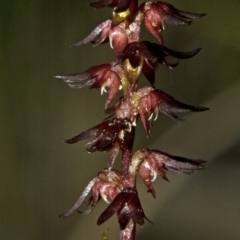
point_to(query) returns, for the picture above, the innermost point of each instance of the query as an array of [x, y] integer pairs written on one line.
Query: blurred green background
[[41, 177]]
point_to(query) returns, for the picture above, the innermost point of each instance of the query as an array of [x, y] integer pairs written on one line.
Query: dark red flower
[[150, 163], [111, 136], [101, 76], [107, 184], [134, 56], [127, 206], [156, 13], [154, 100], [147, 55], [116, 34]]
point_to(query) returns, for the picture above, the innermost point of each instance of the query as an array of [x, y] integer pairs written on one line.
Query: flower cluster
[[116, 133]]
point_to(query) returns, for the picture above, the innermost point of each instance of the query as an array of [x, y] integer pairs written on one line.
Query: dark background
[[41, 177]]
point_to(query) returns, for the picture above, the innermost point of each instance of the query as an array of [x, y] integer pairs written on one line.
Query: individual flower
[[110, 135], [135, 54], [107, 184], [127, 206], [123, 109], [101, 76], [155, 100], [150, 163], [118, 34], [156, 13], [146, 56]]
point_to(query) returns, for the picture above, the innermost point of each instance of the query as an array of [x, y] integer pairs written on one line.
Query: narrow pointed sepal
[[103, 28]]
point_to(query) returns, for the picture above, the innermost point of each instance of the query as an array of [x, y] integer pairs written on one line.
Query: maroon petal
[[170, 10], [147, 106], [118, 39], [102, 27], [180, 55], [154, 23], [103, 142], [89, 74], [161, 52], [80, 200], [124, 217], [168, 105], [135, 52], [135, 208], [92, 132], [170, 19], [148, 70], [115, 206], [112, 154], [178, 164], [145, 173], [113, 83], [188, 14]]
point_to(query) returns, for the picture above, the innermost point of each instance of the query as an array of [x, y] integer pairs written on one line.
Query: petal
[[124, 217], [135, 208], [146, 109], [80, 200], [118, 39], [90, 74], [102, 27], [189, 15], [170, 19], [161, 52], [148, 70], [115, 206], [169, 9], [92, 132], [113, 83], [145, 173], [102, 142], [112, 154], [180, 55], [154, 23], [86, 134], [178, 164], [109, 191], [168, 105]]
